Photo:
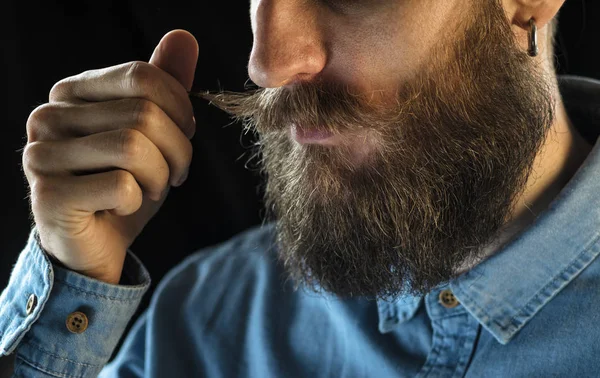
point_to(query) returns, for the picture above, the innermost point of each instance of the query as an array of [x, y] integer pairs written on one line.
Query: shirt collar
[[508, 289], [392, 314]]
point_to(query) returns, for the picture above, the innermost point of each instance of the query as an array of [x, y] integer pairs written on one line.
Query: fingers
[[60, 121], [177, 54], [126, 149], [116, 191], [128, 80]]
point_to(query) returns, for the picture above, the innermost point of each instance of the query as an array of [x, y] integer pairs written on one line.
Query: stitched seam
[[61, 358], [556, 278], [18, 363], [460, 312], [437, 348], [434, 354], [480, 310], [468, 346], [72, 287], [43, 370], [503, 328]]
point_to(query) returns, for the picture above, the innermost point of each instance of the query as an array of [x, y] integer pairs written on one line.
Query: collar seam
[[585, 258], [556, 285]]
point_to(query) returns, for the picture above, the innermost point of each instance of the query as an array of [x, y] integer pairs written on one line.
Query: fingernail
[[193, 128], [183, 178]]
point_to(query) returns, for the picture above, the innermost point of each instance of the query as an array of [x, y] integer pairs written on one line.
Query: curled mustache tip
[[241, 106], [205, 95]]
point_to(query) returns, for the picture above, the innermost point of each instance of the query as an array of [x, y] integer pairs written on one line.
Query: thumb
[[177, 54]]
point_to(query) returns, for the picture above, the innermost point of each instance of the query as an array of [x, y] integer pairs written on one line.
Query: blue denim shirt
[[228, 311]]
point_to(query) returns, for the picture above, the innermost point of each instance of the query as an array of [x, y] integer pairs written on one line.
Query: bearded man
[[431, 189]]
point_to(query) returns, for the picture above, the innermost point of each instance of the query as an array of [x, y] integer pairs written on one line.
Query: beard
[[442, 170]]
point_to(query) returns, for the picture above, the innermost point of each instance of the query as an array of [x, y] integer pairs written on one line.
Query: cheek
[[381, 52], [373, 58]]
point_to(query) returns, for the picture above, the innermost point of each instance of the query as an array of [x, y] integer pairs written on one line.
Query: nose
[[288, 45]]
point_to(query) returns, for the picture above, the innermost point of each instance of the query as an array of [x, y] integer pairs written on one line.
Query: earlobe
[[542, 11], [531, 36]]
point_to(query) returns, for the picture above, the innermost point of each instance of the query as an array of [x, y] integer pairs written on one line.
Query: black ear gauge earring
[[533, 43]]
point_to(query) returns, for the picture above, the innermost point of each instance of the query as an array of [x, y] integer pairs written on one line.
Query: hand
[[103, 153]]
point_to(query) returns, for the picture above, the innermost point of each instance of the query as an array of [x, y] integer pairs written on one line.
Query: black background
[[43, 42]]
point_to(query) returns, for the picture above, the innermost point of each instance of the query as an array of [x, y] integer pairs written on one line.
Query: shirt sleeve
[[60, 323]]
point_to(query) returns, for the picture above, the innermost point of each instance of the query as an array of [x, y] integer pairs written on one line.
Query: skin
[[102, 154], [99, 162], [373, 45], [565, 149]]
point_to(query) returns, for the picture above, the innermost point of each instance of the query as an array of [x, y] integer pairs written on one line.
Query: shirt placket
[[454, 335]]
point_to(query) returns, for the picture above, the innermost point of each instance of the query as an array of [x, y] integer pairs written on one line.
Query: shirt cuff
[[39, 298]]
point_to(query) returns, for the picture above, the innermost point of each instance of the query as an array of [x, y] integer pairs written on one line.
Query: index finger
[[128, 80]]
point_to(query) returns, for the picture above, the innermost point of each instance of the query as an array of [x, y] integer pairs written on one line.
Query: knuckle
[[61, 90], [42, 191], [125, 185], [39, 119], [131, 144], [33, 154], [137, 74], [144, 112]]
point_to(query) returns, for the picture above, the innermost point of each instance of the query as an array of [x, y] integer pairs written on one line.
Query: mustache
[[322, 106]]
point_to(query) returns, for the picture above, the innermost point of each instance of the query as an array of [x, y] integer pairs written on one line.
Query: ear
[[520, 12], [542, 11]]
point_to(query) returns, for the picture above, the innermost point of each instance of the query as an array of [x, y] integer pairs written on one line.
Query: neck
[[563, 152], [561, 155]]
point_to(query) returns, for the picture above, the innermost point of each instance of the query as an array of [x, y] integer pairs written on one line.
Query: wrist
[[113, 277], [53, 260]]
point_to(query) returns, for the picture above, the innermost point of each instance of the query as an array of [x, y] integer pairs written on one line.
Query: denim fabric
[[46, 348], [530, 310]]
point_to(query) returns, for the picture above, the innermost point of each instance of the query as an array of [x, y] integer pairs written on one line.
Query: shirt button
[[31, 304], [77, 322], [447, 299]]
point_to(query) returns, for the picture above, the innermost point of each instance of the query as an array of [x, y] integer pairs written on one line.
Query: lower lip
[[310, 136]]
